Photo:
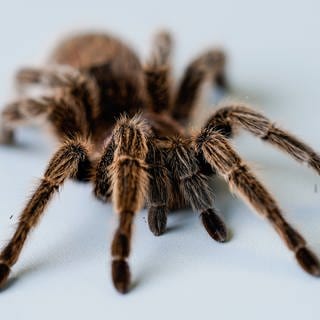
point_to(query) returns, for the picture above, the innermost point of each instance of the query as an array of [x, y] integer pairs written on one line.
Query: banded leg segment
[[218, 152], [157, 73], [75, 85], [161, 49], [130, 180], [195, 188], [63, 165], [231, 117], [6, 134], [159, 194], [62, 114], [102, 179], [208, 65], [21, 113]]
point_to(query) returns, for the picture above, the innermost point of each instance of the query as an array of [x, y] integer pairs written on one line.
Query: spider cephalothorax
[[122, 127]]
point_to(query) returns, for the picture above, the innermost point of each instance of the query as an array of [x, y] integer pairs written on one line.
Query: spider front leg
[[63, 165], [159, 195], [194, 186], [218, 152], [228, 118], [129, 180], [102, 179]]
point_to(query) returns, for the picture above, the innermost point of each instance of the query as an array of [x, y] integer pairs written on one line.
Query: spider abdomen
[[114, 66]]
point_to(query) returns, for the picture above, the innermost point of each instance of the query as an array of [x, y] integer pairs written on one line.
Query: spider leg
[[21, 113], [194, 186], [63, 165], [129, 178], [73, 83], [63, 114], [157, 73], [158, 198], [56, 77], [102, 180], [218, 152], [161, 49], [228, 118], [6, 133], [208, 65], [69, 110]]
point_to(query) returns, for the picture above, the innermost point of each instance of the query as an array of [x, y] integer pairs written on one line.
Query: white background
[[64, 271]]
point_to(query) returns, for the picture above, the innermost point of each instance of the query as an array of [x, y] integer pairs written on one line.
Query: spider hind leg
[[158, 73], [208, 65]]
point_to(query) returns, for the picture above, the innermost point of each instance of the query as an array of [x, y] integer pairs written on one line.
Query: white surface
[[64, 271]]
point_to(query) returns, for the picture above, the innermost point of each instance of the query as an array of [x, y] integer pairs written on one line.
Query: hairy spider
[[123, 128]]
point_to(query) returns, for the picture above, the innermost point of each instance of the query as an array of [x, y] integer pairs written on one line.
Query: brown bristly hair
[[121, 125]]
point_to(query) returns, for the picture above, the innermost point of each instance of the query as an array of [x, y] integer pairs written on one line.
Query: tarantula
[[122, 127]]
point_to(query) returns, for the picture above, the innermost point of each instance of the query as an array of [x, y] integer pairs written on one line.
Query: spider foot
[[102, 193], [6, 136], [28, 75], [308, 261], [214, 225], [212, 57], [157, 220], [4, 273], [121, 275]]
